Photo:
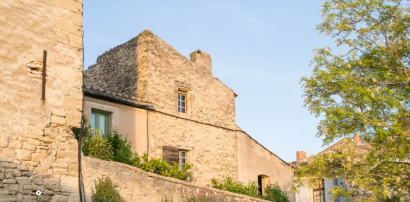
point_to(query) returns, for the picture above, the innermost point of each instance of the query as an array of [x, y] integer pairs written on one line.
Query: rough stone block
[[58, 120], [69, 184], [33, 142], [7, 165], [77, 19], [8, 199], [21, 168], [29, 147], [59, 198], [26, 173], [15, 145], [51, 132], [3, 192], [46, 139], [23, 155], [13, 173], [4, 141], [73, 118], [36, 157], [23, 180], [9, 181], [5, 159], [76, 41], [29, 198], [68, 26], [44, 198], [59, 171], [70, 5]]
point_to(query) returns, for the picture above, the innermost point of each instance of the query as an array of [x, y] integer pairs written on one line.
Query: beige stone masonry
[[135, 185]]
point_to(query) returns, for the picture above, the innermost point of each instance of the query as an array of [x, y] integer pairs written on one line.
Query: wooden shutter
[[170, 154]]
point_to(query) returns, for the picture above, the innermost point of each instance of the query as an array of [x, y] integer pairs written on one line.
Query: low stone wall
[[135, 184]]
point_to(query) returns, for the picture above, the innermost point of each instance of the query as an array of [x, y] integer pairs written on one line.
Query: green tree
[[363, 91]]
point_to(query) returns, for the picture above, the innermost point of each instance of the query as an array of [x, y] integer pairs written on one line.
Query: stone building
[[171, 106], [37, 149]]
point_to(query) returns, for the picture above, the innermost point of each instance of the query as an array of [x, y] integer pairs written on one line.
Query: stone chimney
[[203, 60], [357, 139], [300, 156]]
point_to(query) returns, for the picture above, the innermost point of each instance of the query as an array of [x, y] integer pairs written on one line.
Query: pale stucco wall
[[254, 160], [37, 147], [131, 122]]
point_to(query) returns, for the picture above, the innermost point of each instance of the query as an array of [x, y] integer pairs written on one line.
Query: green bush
[[97, 146], [105, 191], [227, 184], [122, 150], [274, 193], [161, 167]]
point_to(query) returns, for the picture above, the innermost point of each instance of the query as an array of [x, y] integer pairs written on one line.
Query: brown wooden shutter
[[170, 154]]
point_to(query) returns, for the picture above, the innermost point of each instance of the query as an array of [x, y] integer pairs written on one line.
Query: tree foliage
[[363, 91]]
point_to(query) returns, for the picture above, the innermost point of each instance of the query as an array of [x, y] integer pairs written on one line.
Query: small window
[[182, 102], [182, 158], [100, 121]]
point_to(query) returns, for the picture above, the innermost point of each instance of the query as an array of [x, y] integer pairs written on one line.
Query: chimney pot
[[300, 156]]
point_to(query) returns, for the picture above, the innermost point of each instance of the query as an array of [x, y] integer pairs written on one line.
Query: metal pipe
[[43, 92]]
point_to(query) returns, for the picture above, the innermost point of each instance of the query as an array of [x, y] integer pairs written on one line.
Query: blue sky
[[260, 49]]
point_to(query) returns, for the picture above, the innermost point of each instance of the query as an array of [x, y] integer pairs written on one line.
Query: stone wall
[[37, 148], [115, 70], [136, 185], [212, 150]]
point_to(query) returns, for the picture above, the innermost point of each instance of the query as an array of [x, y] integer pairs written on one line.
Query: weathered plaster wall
[[136, 185], [37, 148], [212, 149], [254, 160], [130, 121]]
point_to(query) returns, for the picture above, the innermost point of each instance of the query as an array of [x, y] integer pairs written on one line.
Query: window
[[100, 121], [182, 102], [319, 192], [182, 158]]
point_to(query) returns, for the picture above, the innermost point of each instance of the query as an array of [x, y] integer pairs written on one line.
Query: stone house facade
[[37, 149], [171, 106]]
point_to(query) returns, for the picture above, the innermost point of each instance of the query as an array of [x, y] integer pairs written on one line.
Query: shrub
[[251, 189], [203, 195], [274, 193], [97, 146], [105, 191], [161, 167], [122, 150]]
